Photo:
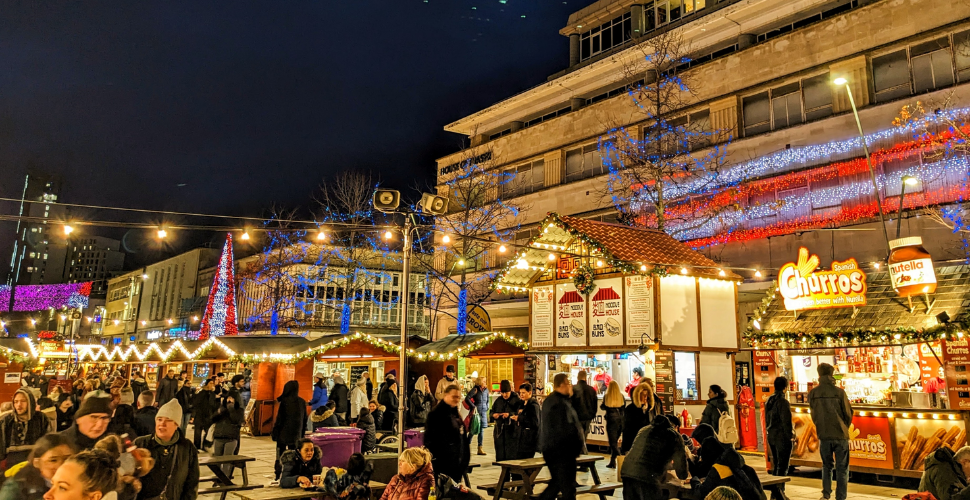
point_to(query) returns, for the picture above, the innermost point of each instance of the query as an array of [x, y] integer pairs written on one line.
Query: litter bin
[[338, 446], [414, 438]]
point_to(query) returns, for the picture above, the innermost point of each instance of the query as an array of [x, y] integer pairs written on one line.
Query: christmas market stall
[[495, 356], [614, 300], [14, 358], [900, 352]]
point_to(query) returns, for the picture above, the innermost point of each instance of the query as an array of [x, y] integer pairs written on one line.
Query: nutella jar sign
[[911, 267]]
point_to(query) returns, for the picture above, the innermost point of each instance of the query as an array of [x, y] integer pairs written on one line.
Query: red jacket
[[415, 486]]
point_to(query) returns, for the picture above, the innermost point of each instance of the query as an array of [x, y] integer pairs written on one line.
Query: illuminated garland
[[389, 347], [553, 220], [40, 297], [467, 348]]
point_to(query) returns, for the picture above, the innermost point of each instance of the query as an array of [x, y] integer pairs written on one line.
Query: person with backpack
[[716, 406], [832, 416]]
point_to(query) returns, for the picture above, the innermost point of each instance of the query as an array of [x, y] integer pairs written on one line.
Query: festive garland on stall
[[583, 280], [852, 336], [555, 220], [320, 349], [467, 348]]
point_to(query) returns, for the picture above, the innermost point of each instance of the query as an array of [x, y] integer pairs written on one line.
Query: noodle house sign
[[804, 286]]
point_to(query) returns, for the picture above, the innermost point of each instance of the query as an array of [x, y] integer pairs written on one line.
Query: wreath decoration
[[583, 280]]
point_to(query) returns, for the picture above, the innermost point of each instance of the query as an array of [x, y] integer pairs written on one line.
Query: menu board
[[956, 360], [542, 316], [639, 309], [765, 372], [664, 365], [928, 364], [570, 316], [606, 313]]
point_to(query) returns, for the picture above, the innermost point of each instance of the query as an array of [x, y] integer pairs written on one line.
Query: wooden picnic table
[[277, 493], [771, 484], [528, 469], [221, 482]]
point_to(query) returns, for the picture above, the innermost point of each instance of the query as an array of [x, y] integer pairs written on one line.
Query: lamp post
[[908, 180], [865, 148]]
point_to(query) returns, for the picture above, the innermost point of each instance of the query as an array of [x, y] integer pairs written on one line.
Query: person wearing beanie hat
[[444, 382], [832, 416], [22, 427], [90, 421], [175, 475], [319, 395], [504, 435], [723, 493], [340, 395]]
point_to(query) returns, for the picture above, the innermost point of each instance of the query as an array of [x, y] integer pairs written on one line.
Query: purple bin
[[414, 438], [338, 446]]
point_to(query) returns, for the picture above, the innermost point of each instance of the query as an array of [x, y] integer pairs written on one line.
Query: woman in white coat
[[358, 398]]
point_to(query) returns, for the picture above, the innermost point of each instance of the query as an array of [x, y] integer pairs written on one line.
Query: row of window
[[787, 105], [523, 179], [604, 37]]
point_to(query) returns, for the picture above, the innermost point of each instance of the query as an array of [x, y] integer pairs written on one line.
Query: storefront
[[607, 299], [495, 356], [887, 351]]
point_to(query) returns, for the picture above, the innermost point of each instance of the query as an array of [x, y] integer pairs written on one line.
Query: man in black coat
[[175, 475], [445, 436], [561, 440], [584, 401], [144, 423], [167, 387], [340, 396], [90, 422]]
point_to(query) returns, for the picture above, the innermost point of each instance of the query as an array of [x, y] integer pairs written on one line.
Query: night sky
[[232, 107]]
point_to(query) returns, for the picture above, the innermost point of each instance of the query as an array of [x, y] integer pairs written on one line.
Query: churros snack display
[[916, 439]]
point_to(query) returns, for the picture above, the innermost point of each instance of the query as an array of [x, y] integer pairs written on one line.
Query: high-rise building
[[31, 252], [92, 258]]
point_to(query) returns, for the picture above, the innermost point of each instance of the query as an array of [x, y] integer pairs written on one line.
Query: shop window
[[890, 74], [932, 67], [817, 94], [685, 375], [757, 114], [786, 106]]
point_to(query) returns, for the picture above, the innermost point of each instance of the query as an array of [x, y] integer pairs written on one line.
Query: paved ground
[[805, 486]]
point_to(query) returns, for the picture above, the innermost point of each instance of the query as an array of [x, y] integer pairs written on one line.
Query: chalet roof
[[453, 346], [627, 249], [885, 312]]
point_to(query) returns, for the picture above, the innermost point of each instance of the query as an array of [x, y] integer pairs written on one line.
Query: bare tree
[[661, 175], [353, 263], [270, 283], [481, 215]]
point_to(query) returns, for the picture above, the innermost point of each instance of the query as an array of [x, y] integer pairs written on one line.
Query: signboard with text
[[570, 316], [956, 362], [639, 309], [542, 316], [803, 286], [606, 313]]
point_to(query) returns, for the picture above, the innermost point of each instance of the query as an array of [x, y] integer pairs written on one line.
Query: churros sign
[[805, 288]]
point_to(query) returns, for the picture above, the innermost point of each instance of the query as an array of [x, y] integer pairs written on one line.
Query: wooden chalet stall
[[496, 356], [612, 298], [889, 353], [14, 353]]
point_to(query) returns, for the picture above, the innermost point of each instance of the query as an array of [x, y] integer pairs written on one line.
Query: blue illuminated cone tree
[[220, 311]]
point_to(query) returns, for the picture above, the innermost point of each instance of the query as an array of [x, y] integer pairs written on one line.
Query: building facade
[[761, 77], [32, 261], [95, 259]]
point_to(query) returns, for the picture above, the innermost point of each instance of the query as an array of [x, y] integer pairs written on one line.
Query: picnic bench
[[528, 469], [771, 484], [468, 471], [277, 493], [221, 482]]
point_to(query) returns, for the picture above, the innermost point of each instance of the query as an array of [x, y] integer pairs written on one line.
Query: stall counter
[[884, 440]]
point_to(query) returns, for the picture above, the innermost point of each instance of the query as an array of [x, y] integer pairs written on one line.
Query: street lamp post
[[907, 180], [405, 297], [865, 148]]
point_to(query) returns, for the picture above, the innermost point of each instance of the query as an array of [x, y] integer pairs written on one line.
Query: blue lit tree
[[661, 174], [479, 220], [270, 283], [354, 266]]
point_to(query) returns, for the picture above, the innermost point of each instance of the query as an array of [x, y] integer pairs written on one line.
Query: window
[[757, 114], [817, 94], [932, 68], [524, 179], [685, 375], [786, 106], [606, 36], [890, 74], [961, 53], [582, 163]]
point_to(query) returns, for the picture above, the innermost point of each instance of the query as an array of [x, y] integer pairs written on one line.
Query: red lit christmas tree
[[220, 311]]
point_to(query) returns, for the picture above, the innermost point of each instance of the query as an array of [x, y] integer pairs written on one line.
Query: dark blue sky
[[252, 103]]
